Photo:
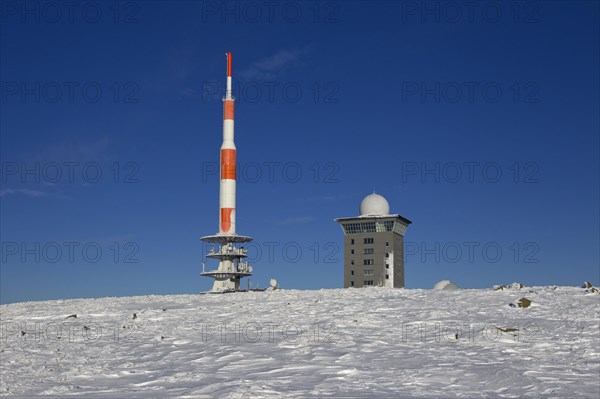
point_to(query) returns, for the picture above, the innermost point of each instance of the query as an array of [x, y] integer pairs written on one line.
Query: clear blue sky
[[479, 123]]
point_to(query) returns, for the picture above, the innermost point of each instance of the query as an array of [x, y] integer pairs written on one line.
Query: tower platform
[[232, 266], [226, 238]]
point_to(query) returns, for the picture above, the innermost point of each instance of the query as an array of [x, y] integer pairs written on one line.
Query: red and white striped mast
[[232, 259], [227, 193]]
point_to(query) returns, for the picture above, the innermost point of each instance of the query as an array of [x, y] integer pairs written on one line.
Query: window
[[352, 251], [352, 241], [368, 227], [368, 251], [387, 244], [352, 283], [388, 225], [387, 266], [387, 276], [368, 272], [368, 282], [352, 272], [367, 262], [352, 262], [368, 240], [387, 254]]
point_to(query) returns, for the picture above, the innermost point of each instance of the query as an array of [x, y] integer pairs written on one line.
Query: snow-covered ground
[[353, 343]]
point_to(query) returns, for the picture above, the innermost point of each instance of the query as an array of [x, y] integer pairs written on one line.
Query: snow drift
[[352, 343]]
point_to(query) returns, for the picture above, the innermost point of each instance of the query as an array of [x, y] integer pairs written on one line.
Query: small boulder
[[516, 286], [513, 286], [507, 330], [523, 303]]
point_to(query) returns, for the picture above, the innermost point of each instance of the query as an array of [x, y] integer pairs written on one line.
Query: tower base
[[232, 266]]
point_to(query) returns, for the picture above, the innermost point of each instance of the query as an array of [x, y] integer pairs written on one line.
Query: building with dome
[[374, 245]]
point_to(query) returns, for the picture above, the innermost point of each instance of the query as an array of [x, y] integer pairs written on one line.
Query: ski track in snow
[[354, 343]]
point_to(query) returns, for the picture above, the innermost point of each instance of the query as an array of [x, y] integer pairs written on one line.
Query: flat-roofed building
[[374, 245]]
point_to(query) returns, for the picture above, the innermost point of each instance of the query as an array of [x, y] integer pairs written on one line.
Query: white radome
[[374, 205], [445, 285]]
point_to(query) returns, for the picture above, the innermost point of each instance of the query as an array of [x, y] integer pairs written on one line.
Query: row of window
[[369, 240], [369, 262], [369, 251], [369, 282], [368, 227], [366, 282], [366, 251], [367, 272]]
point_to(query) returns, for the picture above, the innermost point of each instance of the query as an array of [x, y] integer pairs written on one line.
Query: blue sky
[[477, 122]]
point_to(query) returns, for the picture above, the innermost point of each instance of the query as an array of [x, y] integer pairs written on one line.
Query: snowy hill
[[353, 343]]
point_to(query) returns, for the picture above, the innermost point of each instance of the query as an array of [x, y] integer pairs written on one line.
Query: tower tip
[[229, 63]]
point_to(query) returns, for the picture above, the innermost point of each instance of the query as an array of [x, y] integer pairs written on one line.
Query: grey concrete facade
[[374, 250]]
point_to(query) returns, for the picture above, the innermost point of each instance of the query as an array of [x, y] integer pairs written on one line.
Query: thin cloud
[[23, 191], [127, 239], [183, 61], [322, 198], [274, 65], [85, 151], [296, 220], [187, 92]]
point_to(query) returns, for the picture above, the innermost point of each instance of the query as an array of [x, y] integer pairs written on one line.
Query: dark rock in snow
[[523, 303]]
